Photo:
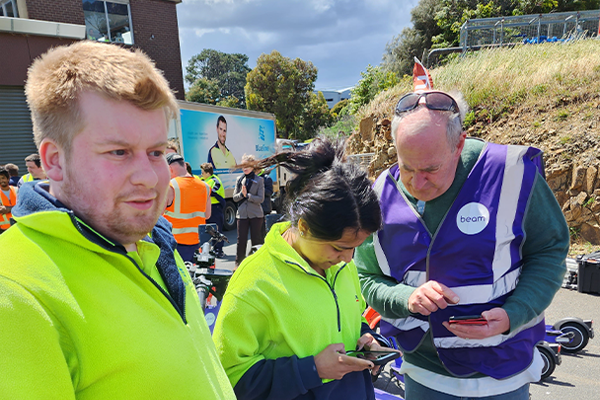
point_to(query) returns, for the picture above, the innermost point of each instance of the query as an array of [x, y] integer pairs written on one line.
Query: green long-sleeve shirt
[[544, 251]]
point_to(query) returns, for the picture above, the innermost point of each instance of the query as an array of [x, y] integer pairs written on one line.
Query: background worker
[[13, 171], [249, 193], [188, 203], [34, 168], [8, 199], [98, 304], [217, 202], [471, 225]]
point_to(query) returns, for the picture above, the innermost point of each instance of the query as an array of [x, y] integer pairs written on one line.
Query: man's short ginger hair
[[57, 78]]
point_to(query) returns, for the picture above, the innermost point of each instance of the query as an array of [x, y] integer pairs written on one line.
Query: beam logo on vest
[[472, 218]]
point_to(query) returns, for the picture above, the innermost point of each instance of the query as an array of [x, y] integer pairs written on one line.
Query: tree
[[337, 109], [401, 50], [412, 41], [316, 114], [203, 91], [282, 86], [373, 81], [228, 71]]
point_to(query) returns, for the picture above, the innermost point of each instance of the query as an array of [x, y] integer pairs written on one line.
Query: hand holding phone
[[467, 320], [376, 357]]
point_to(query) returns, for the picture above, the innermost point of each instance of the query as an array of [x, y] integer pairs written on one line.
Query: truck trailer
[[222, 135]]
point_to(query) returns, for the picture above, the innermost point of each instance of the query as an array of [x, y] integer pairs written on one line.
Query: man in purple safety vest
[[469, 228]]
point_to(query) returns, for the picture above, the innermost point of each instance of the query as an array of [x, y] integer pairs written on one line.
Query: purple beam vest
[[475, 252]]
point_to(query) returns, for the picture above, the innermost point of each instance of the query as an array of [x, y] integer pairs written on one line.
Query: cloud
[[340, 37]]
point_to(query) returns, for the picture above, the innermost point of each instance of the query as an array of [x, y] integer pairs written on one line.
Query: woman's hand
[[333, 363], [368, 342], [244, 191]]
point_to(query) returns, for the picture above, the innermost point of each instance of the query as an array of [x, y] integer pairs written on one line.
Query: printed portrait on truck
[[221, 139]]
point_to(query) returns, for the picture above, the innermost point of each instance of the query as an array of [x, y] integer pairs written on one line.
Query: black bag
[[588, 276]]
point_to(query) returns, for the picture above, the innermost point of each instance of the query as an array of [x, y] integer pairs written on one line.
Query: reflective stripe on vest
[[190, 196], [9, 202], [480, 237], [213, 182]]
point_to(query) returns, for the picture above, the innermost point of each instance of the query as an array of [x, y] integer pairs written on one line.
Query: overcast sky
[[340, 37]]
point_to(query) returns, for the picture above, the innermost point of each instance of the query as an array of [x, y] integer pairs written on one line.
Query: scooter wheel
[[549, 363], [579, 340]]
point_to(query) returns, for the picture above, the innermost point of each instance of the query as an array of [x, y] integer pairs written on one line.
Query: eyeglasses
[[438, 101]]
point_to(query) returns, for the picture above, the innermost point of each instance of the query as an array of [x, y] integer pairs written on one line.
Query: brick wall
[[155, 30], [65, 11]]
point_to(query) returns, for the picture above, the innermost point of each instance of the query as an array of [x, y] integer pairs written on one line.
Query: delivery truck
[[221, 136]]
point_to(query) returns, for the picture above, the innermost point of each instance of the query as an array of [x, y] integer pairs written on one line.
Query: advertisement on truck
[[221, 136], [222, 139]]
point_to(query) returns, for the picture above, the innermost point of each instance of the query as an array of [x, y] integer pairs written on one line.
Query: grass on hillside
[[494, 80]]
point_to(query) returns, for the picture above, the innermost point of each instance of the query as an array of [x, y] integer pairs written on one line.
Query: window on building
[[108, 21], [8, 8]]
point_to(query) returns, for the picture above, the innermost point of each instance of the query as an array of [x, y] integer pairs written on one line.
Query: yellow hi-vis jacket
[[216, 186], [188, 208]]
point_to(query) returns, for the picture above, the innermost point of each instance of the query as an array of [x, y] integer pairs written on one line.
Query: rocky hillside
[[549, 99]]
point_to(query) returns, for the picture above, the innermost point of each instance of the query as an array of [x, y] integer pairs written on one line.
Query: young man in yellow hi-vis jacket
[[96, 302]]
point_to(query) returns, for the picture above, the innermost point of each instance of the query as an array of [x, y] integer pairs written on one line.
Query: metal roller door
[[16, 132]]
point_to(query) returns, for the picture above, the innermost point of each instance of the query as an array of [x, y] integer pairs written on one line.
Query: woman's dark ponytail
[[329, 194]]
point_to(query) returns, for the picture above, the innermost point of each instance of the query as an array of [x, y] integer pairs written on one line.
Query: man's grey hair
[[454, 127]]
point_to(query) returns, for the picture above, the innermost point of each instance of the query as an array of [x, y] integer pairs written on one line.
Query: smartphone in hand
[[376, 357], [467, 320]]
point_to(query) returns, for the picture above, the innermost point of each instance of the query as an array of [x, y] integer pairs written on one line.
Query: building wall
[[155, 30], [23, 49], [65, 11]]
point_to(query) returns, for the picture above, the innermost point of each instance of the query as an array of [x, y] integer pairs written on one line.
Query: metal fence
[[361, 159], [536, 28]]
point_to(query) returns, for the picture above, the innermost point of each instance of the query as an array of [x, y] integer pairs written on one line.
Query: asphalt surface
[[578, 376]]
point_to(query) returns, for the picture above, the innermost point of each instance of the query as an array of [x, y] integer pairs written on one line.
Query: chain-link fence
[[536, 28]]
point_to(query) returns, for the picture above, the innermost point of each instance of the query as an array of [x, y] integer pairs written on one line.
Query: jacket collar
[[38, 210], [282, 250]]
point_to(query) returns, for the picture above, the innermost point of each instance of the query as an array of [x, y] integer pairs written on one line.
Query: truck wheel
[[229, 214], [549, 364], [579, 340]]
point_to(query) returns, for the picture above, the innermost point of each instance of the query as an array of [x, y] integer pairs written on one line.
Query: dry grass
[[580, 246], [495, 79]]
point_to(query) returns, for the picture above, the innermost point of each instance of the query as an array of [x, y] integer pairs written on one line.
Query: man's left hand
[[497, 323]]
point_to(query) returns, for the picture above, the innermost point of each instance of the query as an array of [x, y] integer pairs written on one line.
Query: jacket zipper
[[167, 295], [331, 288], [86, 234]]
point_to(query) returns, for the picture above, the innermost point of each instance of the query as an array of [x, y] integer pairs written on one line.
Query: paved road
[[578, 375], [577, 378]]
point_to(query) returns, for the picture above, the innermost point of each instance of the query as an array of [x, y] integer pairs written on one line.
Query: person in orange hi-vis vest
[[8, 199], [188, 205]]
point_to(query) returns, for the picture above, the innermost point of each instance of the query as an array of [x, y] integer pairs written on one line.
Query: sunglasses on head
[[438, 101]]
